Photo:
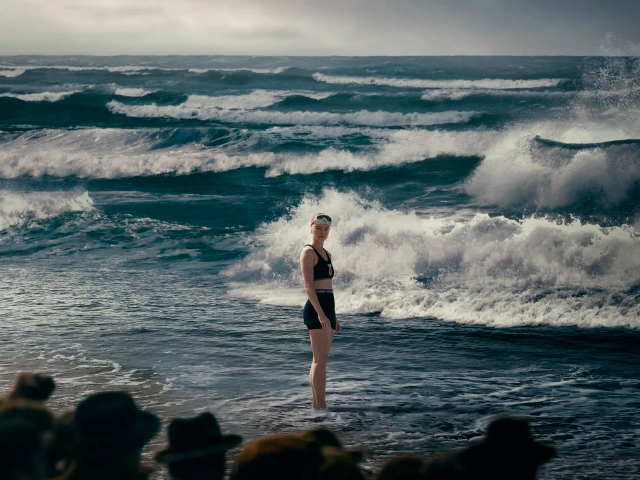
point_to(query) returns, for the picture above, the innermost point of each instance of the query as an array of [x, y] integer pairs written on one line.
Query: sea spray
[[20, 208], [488, 270]]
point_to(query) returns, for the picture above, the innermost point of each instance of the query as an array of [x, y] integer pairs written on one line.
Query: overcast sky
[[316, 27]]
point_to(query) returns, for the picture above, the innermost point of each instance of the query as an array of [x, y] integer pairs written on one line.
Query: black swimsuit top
[[322, 270]]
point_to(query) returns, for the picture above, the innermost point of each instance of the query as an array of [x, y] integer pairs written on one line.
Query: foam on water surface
[[19, 208], [490, 83], [486, 270]]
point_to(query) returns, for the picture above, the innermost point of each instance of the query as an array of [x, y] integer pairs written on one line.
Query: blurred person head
[[339, 463], [197, 448], [111, 432], [506, 452], [402, 467], [30, 386], [283, 457], [25, 432]]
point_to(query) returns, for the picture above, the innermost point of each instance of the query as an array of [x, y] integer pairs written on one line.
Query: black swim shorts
[[325, 297]]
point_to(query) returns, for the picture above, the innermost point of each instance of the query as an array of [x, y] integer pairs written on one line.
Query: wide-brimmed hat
[[110, 424], [198, 437], [507, 436]]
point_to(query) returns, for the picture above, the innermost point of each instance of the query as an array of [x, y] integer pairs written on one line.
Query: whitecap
[[438, 94], [12, 72], [275, 71], [487, 270], [116, 153], [19, 208], [133, 92], [40, 96], [194, 108], [491, 83]]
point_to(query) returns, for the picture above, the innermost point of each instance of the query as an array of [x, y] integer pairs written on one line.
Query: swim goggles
[[321, 219]]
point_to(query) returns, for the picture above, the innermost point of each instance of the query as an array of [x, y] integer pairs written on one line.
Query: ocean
[[486, 241]]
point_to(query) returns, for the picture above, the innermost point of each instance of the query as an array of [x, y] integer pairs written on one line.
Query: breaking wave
[[194, 109], [248, 101], [12, 72], [275, 71], [460, 93], [488, 83], [485, 270], [116, 153], [41, 96], [96, 153], [556, 164], [15, 71], [20, 208], [133, 92]]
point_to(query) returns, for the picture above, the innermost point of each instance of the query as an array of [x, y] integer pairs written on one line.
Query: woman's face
[[320, 232]]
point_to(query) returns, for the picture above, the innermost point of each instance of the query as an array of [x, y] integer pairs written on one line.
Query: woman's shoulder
[[307, 255], [307, 250]]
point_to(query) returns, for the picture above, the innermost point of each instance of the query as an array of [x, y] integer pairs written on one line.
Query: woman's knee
[[321, 358]]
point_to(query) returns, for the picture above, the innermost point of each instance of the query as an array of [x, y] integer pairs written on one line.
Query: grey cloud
[[306, 27]]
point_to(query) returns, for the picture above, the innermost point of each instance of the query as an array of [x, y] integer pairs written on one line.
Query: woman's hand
[[324, 321], [337, 326]]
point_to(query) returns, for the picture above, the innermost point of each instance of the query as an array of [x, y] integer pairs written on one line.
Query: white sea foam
[[19, 208], [115, 153], [40, 96], [11, 72], [14, 71], [247, 101], [194, 108], [490, 83], [400, 147], [515, 177], [518, 171], [316, 132], [124, 69], [491, 271], [446, 94], [96, 153], [276, 70], [133, 92], [438, 94]]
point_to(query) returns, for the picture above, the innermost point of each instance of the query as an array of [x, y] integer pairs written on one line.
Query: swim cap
[[321, 219]]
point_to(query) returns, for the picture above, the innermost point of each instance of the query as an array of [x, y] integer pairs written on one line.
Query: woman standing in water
[[319, 311]]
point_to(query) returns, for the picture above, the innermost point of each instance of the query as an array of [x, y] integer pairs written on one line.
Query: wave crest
[[12, 72], [96, 153], [19, 208], [193, 109], [41, 96], [133, 92], [488, 83], [492, 271], [115, 153], [525, 172]]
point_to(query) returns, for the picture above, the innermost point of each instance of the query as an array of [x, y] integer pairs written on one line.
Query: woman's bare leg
[[321, 339]]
